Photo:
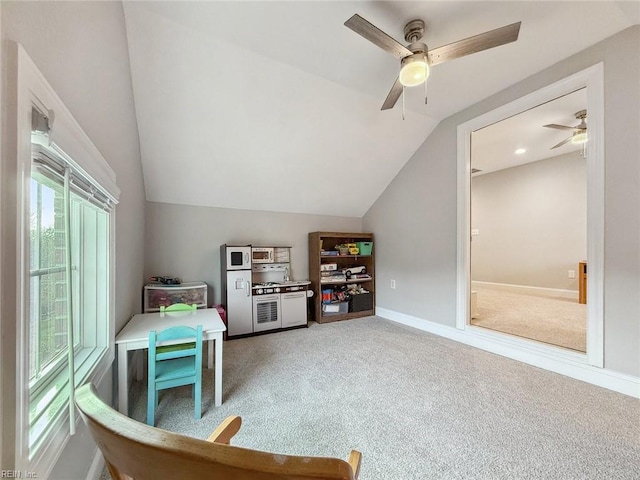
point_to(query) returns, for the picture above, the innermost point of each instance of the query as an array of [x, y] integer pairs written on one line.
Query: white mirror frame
[[593, 79]]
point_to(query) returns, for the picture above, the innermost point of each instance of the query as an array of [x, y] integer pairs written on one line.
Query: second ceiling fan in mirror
[[416, 58], [579, 135]]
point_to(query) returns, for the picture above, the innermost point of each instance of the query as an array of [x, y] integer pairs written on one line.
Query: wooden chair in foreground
[[133, 450]]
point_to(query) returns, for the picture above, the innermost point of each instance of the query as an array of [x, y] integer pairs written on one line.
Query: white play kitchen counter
[[260, 295], [288, 299]]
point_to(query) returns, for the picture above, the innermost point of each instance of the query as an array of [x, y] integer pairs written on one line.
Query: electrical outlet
[[393, 284], [572, 274]]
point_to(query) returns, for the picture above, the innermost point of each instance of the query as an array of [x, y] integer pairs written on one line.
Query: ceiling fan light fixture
[[579, 138], [415, 70]]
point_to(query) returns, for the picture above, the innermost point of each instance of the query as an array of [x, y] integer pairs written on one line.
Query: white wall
[[415, 218], [532, 223], [81, 49], [185, 241]]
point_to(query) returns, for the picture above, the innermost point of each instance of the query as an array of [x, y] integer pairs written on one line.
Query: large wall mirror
[[531, 222]]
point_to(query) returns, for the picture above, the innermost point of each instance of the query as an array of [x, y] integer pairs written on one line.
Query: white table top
[[138, 328]]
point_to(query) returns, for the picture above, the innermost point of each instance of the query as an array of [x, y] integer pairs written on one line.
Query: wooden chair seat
[[133, 450]]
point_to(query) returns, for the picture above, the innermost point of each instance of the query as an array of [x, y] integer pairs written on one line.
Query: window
[[68, 287], [65, 250]]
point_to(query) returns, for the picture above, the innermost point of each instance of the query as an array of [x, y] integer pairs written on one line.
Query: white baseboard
[[97, 465], [527, 289], [565, 363]]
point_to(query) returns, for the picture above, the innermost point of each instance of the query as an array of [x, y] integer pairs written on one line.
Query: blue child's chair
[[174, 367], [178, 307]]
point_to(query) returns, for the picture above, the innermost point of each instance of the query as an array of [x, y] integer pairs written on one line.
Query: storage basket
[[361, 302], [157, 295], [365, 247], [335, 308]]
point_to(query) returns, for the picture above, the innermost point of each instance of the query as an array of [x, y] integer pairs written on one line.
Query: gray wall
[[532, 222], [185, 241], [415, 219], [81, 49]]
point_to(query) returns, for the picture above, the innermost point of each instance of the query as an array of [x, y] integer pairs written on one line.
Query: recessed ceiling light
[[520, 151]]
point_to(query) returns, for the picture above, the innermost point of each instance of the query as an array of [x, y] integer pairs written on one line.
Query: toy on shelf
[[166, 280]]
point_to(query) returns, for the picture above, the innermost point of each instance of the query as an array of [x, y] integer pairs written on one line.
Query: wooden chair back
[[133, 450]]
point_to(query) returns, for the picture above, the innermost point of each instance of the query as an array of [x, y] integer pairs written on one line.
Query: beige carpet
[[558, 321], [418, 407]]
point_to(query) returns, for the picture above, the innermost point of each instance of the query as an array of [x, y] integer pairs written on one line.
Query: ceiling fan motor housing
[[418, 47], [582, 115]]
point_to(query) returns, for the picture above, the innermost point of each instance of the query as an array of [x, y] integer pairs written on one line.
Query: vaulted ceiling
[[275, 105]]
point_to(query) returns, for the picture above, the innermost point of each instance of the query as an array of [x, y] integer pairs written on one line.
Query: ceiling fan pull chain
[[403, 102], [425, 87]]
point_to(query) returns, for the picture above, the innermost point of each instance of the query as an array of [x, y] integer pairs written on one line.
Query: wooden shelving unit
[[327, 241]]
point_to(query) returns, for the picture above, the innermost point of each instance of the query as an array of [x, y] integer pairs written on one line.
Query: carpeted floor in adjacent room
[[416, 405], [554, 320]]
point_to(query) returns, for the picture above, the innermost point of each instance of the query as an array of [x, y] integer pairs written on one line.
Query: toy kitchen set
[[259, 293]]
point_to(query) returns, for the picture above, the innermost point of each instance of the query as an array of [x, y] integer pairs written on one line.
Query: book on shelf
[[333, 279], [361, 276]]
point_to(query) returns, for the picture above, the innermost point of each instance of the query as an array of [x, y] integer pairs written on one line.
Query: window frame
[[89, 329], [70, 142]]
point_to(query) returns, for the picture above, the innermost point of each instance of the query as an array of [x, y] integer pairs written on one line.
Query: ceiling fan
[[579, 134], [416, 58]]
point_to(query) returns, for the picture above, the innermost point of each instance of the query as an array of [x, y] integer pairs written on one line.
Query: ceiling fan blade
[[566, 140], [559, 127], [377, 36], [477, 43], [394, 95]]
